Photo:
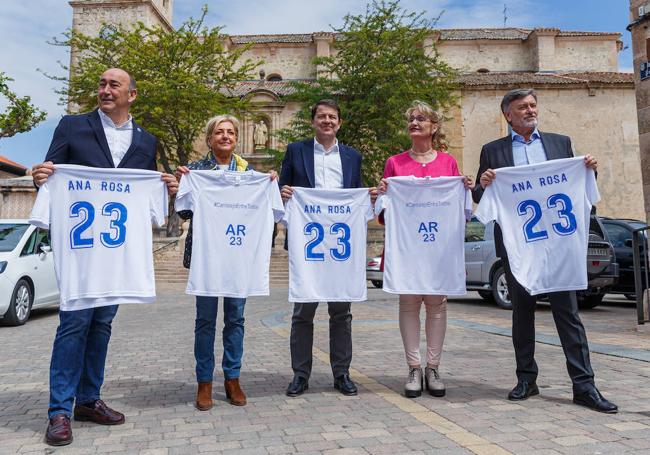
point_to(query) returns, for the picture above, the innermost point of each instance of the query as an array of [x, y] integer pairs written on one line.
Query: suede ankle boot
[[234, 392], [204, 396]]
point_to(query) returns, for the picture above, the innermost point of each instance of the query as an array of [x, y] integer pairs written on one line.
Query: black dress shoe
[[523, 390], [345, 385], [297, 387], [593, 399]]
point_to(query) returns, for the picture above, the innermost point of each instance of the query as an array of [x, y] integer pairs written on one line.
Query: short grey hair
[[514, 95], [215, 121]]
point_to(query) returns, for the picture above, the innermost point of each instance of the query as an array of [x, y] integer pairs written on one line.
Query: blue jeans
[[204, 333], [79, 357]]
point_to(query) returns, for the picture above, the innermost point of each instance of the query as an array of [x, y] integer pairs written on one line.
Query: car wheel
[[20, 305], [377, 283], [587, 302], [630, 296], [486, 295], [500, 291]]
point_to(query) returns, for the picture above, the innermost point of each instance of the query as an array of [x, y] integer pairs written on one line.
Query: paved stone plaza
[[150, 377]]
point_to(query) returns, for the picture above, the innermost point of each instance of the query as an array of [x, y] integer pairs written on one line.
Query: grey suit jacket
[[498, 154]]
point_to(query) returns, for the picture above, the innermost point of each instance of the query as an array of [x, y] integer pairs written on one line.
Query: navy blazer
[[80, 139], [298, 165], [498, 154]]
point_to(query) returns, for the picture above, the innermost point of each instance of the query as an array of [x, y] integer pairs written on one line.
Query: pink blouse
[[402, 165]]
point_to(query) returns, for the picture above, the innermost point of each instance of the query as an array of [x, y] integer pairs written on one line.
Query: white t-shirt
[[100, 228], [326, 231], [232, 227], [425, 235], [543, 210]]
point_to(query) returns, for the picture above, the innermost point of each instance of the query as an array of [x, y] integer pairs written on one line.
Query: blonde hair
[[215, 121], [438, 140]]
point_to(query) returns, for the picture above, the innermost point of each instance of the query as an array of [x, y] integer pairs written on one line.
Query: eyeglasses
[[419, 119]]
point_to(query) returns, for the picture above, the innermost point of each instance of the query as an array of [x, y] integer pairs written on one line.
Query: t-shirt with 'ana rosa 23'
[[543, 210], [100, 227], [326, 231]]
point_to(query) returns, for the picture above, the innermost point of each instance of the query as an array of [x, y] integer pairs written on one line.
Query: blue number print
[[235, 241], [529, 225], [565, 213], [343, 241], [428, 237], [87, 212], [117, 237], [310, 255]]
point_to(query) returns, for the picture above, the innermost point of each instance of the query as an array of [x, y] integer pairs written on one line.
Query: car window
[[30, 245], [10, 235], [43, 237], [474, 231], [617, 234]]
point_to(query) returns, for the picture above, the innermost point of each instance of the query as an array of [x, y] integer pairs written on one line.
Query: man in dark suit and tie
[[106, 137], [527, 145], [321, 162]]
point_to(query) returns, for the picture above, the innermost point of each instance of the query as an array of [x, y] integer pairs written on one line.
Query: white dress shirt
[[118, 137], [328, 171]]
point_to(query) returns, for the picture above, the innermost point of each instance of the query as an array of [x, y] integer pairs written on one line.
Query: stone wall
[[89, 15], [17, 197], [507, 55], [290, 61], [640, 35], [601, 122], [585, 54]]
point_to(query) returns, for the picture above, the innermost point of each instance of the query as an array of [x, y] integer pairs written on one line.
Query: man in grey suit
[[527, 145]]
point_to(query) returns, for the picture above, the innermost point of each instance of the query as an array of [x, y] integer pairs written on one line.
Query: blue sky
[[26, 26]]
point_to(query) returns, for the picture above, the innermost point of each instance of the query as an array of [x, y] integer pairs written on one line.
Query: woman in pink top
[[427, 157]]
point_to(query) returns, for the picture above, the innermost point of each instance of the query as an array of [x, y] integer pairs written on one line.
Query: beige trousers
[[435, 327]]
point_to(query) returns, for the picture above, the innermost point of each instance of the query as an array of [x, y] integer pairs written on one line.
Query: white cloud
[[299, 16], [25, 28]]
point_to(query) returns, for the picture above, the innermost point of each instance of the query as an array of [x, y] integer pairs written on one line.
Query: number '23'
[[86, 211], [566, 226], [343, 241]]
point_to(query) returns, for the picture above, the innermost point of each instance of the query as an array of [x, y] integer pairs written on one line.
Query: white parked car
[[27, 278]]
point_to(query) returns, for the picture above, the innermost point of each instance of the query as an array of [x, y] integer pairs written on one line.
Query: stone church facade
[[581, 91]]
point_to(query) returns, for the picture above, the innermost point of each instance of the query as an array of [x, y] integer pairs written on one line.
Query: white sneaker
[[413, 386], [434, 384]]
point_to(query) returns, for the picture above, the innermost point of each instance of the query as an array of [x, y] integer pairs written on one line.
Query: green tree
[[183, 77], [383, 60], [20, 115]]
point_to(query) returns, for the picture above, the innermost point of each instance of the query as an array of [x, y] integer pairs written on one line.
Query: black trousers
[[302, 337], [564, 307]]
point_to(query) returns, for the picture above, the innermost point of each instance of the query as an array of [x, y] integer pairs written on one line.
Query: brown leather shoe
[[99, 413], [234, 392], [204, 396], [59, 432]]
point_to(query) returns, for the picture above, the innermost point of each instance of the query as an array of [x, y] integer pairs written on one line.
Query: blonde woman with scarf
[[221, 137]]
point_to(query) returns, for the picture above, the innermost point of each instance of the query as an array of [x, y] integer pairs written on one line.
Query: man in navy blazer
[[527, 145], [106, 138], [321, 162]]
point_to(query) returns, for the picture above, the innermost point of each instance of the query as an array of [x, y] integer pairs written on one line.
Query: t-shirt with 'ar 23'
[[233, 217]]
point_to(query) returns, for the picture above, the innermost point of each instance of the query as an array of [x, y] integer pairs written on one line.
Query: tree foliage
[[383, 61], [20, 115], [183, 76]]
